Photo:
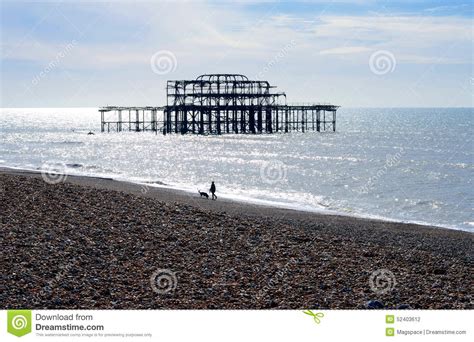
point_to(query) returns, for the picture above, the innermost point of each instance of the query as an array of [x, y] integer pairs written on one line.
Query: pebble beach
[[90, 243]]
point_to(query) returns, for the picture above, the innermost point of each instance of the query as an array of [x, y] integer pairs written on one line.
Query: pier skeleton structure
[[221, 104]]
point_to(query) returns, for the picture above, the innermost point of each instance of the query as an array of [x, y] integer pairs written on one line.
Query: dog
[[203, 194]]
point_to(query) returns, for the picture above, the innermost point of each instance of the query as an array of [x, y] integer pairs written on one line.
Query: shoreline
[[183, 193], [100, 241]]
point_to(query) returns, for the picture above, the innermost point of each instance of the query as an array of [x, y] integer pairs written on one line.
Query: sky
[[349, 53]]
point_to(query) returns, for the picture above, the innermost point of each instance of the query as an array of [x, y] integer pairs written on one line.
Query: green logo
[[316, 316], [389, 319], [19, 322], [389, 332]]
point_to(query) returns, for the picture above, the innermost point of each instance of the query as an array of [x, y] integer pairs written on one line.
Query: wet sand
[[96, 243]]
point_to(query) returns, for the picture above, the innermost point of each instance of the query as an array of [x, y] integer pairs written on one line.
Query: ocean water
[[411, 165]]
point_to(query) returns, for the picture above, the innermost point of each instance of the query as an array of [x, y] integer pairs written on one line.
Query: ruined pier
[[221, 104]]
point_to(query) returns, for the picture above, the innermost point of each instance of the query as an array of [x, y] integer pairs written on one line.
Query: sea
[[398, 164]]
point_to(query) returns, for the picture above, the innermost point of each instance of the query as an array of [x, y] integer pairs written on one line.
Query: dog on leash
[[203, 194]]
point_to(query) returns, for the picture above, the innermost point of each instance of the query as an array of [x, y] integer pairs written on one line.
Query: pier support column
[[209, 121], [259, 121], [277, 115], [303, 120], [169, 128], [184, 121], [218, 121], [193, 121], [324, 120], [318, 120], [235, 122], [333, 120], [137, 121], [243, 123], [102, 128], [119, 123], [165, 121], [153, 120], [268, 121], [252, 121], [176, 119]]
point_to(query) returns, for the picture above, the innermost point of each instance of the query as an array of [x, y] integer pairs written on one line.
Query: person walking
[[213, 191]]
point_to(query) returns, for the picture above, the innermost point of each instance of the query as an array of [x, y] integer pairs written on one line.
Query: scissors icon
[[316, 316]]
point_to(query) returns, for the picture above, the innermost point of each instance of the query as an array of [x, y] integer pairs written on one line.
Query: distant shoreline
[[95, 243]]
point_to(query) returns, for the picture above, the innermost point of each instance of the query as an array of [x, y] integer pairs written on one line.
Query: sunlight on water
[[404, 164]]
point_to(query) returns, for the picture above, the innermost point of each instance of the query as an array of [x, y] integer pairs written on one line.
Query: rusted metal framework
[[138, 119], [218, 104]]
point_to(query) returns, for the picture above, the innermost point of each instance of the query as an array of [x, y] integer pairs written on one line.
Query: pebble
[[70, 246], [404, 307], [374, 304]]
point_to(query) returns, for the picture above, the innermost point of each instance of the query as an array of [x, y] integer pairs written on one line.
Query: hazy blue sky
[[351, 53]]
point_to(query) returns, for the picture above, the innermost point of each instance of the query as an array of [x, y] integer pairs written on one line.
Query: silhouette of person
[[213, 190]]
